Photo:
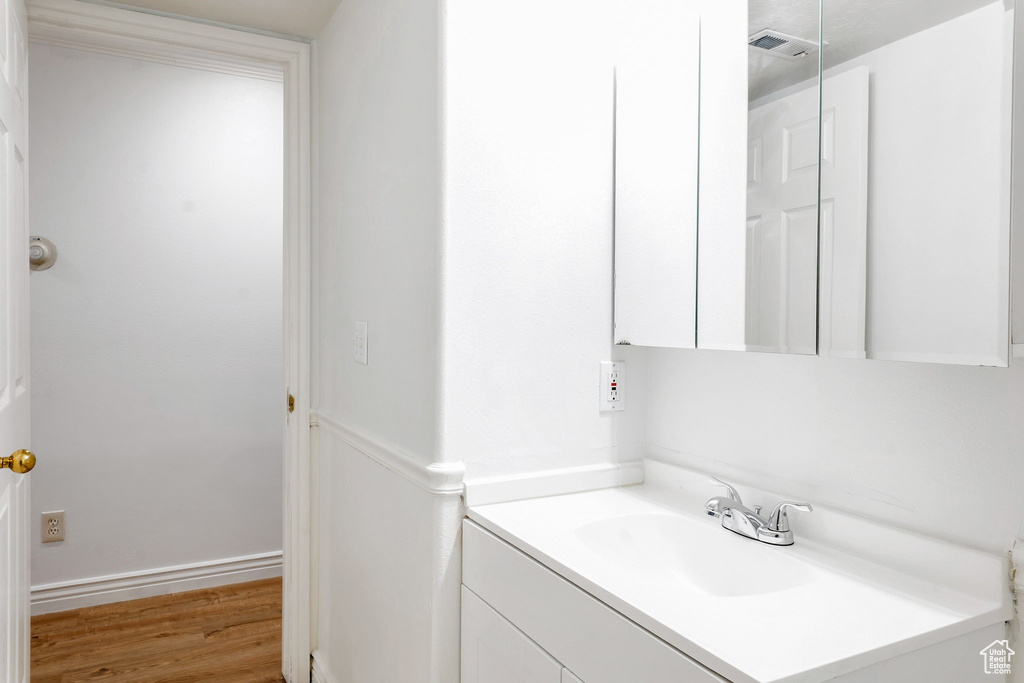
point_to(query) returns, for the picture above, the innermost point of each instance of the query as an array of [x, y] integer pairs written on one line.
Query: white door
[[14, 385], [569, 677], [782, 224], [495, 651]]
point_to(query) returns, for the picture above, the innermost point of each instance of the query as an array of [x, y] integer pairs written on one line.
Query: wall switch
[[359, 342], [53, 526], [613, 386]]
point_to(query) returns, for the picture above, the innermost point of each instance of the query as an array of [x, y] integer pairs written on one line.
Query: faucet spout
[[742, 520], [739, 519], [717, 505]]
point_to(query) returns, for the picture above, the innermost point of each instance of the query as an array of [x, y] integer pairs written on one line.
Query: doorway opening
[[171, 333], [156, 335]]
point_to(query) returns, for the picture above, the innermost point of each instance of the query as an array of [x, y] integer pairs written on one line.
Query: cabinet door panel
[[656, 146], [495, 651], [931, 195]]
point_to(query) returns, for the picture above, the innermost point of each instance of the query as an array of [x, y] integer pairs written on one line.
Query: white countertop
[[747, 610]]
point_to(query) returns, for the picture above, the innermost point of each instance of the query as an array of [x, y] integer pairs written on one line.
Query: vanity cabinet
[[523, 623]]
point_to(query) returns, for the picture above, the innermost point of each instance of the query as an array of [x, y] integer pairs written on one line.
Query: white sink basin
[[720, 563], [649, 553]]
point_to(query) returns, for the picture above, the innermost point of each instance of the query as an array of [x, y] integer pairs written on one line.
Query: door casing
[[117, 31]]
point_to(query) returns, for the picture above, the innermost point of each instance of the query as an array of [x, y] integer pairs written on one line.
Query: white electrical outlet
[[53, 526], [359, 342], [613, 386]]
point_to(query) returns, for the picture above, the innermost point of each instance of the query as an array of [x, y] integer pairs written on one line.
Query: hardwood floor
[[230, 634]]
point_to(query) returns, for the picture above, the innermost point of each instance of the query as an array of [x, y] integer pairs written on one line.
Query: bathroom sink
[[715, 563], [751, 611]]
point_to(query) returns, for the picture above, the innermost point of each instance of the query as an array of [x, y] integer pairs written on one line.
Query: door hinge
[[291, 403]]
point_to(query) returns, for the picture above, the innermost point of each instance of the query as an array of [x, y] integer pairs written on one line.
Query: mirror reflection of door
[[783, 230], [782, 177], [782, 224]]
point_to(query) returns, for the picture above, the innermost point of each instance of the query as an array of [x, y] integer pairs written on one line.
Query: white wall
[[388, 572], [927, 447], [528, 239], [377, 543], [156, 338], [488, 190], [379, 218]]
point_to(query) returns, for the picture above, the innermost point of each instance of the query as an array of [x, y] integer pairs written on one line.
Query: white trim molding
[[58, 597], [487, 490], [111, 30], [198, 20], [448, 478], [440, 479]]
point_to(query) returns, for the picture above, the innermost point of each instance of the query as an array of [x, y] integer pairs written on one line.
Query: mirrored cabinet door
[[916, 130], [656, 149], [845, 194], [758, 229], [716, 212], [722, 278]]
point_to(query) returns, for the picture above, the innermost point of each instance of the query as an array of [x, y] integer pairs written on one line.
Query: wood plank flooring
[[230, 634]]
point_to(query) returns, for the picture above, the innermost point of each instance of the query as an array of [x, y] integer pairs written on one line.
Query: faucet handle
[[733, 493], [779, 520]]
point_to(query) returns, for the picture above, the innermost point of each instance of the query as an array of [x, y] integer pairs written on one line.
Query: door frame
[[116, 31]]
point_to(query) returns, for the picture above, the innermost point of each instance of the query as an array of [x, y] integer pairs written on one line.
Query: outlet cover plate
[[613, 387], [53, 526]]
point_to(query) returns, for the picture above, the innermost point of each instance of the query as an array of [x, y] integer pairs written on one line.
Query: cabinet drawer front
[[495, 651], [594, 641]]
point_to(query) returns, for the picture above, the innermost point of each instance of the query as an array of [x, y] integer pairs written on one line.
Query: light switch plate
[[359, 342], [613, 386]]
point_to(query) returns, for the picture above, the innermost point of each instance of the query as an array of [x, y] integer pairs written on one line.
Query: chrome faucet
[[739, 519]]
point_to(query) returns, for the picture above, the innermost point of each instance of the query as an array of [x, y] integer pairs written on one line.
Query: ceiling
[[298, 18], [850, 27]]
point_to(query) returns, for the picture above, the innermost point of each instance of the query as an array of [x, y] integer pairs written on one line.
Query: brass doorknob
[[19, 461]]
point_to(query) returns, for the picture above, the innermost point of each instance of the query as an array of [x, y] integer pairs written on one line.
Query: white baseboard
[[319, 672], [485, 491], [58, 597]]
